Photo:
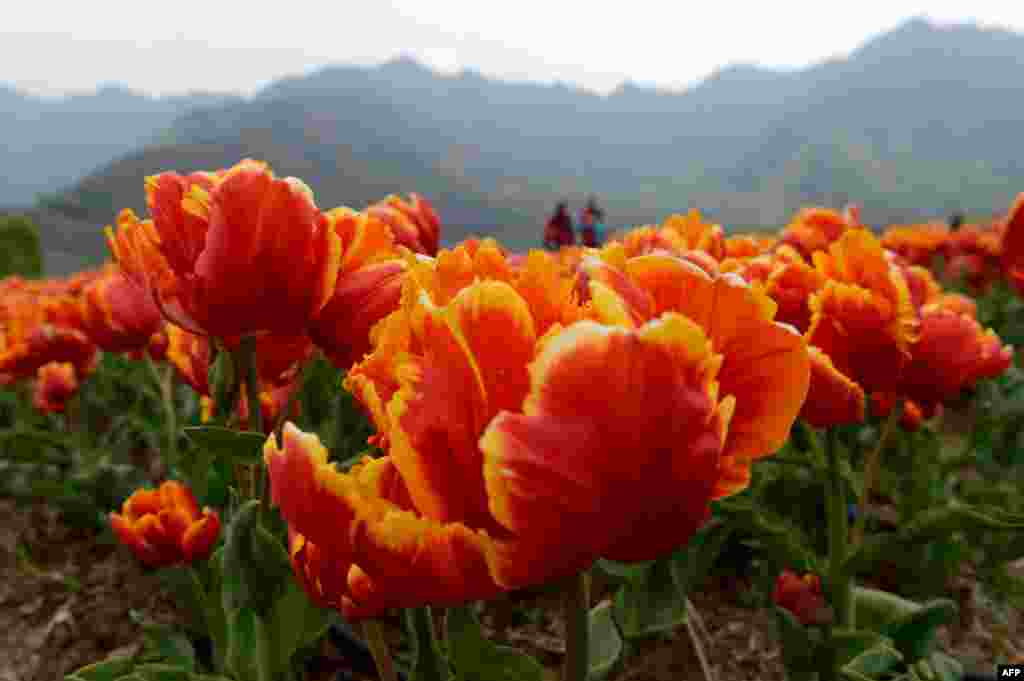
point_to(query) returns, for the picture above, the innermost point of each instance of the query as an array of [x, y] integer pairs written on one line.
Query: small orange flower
[[1012, 245], [117, 314], [814, 229], [56, 383], [748, 245], [918, 244], [953, 353], [414, 224], [697, 235], [801, 596], [914, 415], [165, 527], [863, 317], [232, 253]]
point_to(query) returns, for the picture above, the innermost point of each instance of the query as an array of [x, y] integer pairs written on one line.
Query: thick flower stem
[[872, 469], [576, 611], [429, 664], [838, 534], [374, 634]]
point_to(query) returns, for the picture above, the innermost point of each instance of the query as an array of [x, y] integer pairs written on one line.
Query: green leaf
[[162, 672], [477, 659], [108, 670], [849, 643], [875, 608], [298, 621], [240, 657], [650, 605], [241, 446], [692, 564], [605, 641], [799, 648], [914, 634], [872, 663], [786, 542], [256, 564]]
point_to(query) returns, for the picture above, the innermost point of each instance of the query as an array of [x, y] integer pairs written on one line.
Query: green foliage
[[19, 248], [474, 658]]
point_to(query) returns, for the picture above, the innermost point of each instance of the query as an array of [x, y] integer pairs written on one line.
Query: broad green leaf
[[256, 564], [241, 446], [849, 643], [652, 604], [875, 608], [605, 641], [692, 564], [799, 647], [297, 620], [477, 659], [914, 634], [873, 662]]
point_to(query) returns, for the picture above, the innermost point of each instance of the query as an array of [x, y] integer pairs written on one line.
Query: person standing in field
[[591, 224], [559, 232]]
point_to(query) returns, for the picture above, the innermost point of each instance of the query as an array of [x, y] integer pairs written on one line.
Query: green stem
[[872, 468], [576, 612], [165, 384], [429, 664], [374, 634], [266, 664], [838, 528]]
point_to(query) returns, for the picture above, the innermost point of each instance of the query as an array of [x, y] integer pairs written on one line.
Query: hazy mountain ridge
[[50, 142], [917, 122]]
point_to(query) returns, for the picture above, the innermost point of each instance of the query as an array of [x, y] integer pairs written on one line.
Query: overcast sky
[[54, 47]]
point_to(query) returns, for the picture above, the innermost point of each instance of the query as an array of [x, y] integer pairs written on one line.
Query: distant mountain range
[[918, 122]]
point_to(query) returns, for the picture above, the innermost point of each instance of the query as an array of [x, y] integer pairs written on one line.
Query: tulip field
[[274, 442]]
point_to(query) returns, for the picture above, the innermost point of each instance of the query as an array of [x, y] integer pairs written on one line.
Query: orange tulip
[[233, 253], [164, 526], [56, 383], [952, 354], [45, 344], [118, 315], [414, 224], [502, 461], [814, 229], [801, 596], [863, 317], [697, 235], [918, 244], [1012, 246]]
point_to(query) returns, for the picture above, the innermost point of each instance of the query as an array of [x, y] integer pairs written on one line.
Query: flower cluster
[[516, 397]]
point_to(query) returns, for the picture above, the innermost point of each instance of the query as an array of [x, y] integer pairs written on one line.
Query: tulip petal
[[554, 471]]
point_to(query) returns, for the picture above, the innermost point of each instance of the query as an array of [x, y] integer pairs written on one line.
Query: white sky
[[52, 47]]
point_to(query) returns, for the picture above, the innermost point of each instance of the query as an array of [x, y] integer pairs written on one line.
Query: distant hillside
[[47, 143], [918, 122]]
